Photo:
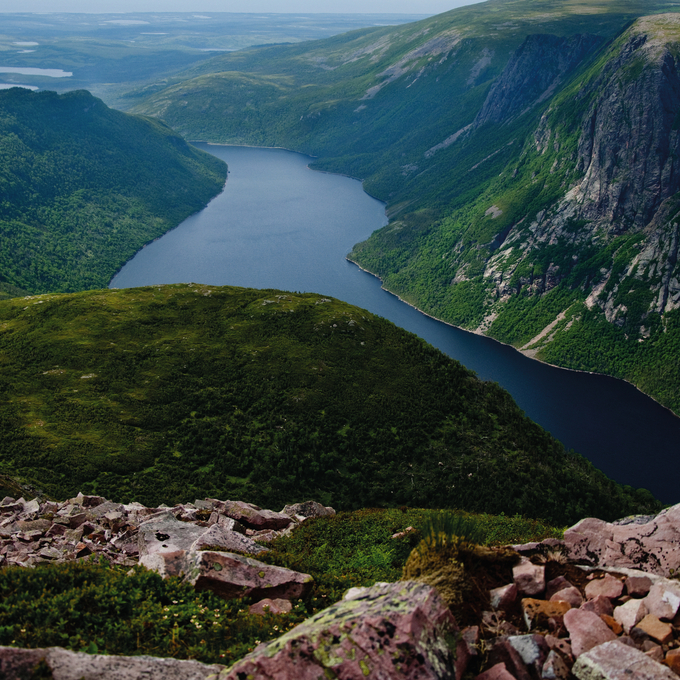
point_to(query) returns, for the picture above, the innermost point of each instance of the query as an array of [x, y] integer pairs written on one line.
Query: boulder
[[586, 630], [638, 586], [657, 630], [599, 605], [571, 595], [539, 612], [529, 578], [653, 546], [232, 576], [608, 586], [303, 511], [497, 672], [554, 667], [252, 516], [630, 613], [18, 664], [503, 652], [390, 630], [504, 598], [663, 600], [617, 661]]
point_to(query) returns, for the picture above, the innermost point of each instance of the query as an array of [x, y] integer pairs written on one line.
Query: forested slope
[[83, 187], [172, 393]]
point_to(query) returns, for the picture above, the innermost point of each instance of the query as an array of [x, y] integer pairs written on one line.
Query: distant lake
[[278, 224], [49, 72]]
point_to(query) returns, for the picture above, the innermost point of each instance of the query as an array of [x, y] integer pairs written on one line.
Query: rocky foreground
[[600, 604]]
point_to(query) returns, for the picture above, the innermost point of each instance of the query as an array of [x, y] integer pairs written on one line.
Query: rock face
[[20, 664], [390, 630], [522, 86], [653, 547]]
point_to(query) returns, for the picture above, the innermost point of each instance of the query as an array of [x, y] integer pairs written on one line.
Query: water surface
[[278, 224]]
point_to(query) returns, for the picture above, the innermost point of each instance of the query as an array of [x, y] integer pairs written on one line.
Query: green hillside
[[83, 187], [171, 393]]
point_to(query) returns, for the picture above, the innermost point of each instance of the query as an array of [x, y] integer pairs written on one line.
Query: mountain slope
[[474, 125], [170, 393], [571, 253], [83, 187]]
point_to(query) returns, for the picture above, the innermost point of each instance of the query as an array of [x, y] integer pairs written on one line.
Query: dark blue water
[[278, 224]]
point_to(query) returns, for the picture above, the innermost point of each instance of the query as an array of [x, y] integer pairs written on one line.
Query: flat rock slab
[[653, 547], [617, 661], [252, 516], [231, 576], [390, 630], [19, 664]]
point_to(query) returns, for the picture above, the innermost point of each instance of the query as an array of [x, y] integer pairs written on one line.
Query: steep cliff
[[570, 251]]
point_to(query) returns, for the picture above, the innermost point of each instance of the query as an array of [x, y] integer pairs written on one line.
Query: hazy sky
[[284, 6]]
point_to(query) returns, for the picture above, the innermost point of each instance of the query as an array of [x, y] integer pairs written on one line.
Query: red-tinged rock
[[630, 614], [653, 651], [561, 646], [537, 613], [217, 537], [652, 546], [232, 576], [390, 630], [533, 649], [557, 584], [502, 651], [307, 509], [504, 598], [638, 586], [673, 660], [571, 595], [608, 586], [529, 578], [62, 664], [497, 672], [466, 649], [663, 600], [599, 605], [268, 606], [252, 516], [554, 668], [586, 630], [616, 661], [613, 624], [657, 630]]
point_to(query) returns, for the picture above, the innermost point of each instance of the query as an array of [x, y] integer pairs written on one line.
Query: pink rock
[[390, 630], [571, 595], [554, 668], [663, 600], [608, 586], [653, 546], [616, 661], [231, 576], [557, 584], [504, 598], [268, 606], [533, 649], [216, 537], [502, 651], [497, 672], [252, 516], [638, 586], [630, 614], [586, 630], [599, 605], [466, 649], [529, 578], [307, 509]]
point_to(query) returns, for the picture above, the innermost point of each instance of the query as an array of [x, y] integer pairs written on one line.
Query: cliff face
[[534, 74], [617, 133]]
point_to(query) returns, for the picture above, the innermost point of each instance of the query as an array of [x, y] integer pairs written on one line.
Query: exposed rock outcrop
[[390, 630]]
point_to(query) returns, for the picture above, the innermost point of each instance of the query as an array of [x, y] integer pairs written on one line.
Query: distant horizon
[[422, 7]]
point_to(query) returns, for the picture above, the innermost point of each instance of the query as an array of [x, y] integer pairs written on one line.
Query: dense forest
[[172, 393], [83, 187]]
